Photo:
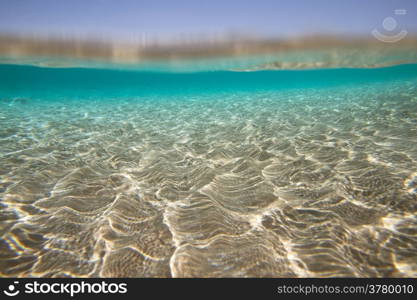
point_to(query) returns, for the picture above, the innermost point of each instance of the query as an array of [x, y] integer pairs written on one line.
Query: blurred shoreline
[[307, 52]]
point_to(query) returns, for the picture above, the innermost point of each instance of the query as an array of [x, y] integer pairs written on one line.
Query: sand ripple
[[276, 184]]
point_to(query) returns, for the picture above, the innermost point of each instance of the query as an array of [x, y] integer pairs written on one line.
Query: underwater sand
[[259, 174]]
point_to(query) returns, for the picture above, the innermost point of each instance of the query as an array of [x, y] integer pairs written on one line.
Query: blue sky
[[126, 19]]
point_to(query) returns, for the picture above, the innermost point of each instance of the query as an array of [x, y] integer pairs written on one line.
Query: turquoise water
[[124, 173], [28, 81]]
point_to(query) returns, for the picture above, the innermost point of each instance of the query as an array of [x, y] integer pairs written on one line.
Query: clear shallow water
[[225, 174]]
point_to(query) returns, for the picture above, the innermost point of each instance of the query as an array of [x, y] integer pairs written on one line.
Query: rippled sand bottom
[[278, 184]]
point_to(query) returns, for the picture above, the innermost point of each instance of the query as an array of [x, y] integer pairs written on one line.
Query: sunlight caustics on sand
[[208, 174]]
